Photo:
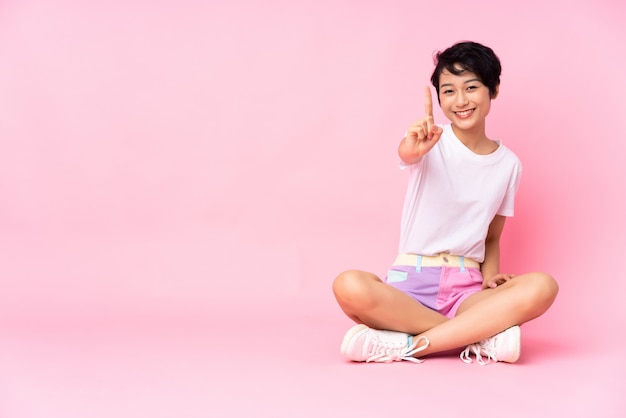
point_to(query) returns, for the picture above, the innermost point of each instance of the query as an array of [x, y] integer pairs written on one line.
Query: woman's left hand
[[497, 280]]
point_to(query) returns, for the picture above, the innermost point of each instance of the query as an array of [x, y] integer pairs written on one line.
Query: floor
[[281, 360]]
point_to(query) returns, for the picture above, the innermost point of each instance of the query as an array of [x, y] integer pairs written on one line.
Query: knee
[[350, 287], [545, 288]]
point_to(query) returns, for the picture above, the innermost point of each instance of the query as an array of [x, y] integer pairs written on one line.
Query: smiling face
[[465, 101]]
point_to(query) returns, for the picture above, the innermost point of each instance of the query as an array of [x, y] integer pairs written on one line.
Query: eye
[[447, 91], [470, 88]]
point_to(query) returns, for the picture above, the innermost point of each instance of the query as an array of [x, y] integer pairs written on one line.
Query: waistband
[[438, 260]]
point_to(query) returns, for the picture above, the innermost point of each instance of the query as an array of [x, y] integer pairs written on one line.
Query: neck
[[475, 140]]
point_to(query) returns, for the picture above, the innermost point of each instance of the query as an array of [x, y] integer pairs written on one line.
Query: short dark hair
[[472, 57]]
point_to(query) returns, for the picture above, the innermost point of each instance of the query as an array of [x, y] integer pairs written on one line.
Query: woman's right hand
[[421, 136]]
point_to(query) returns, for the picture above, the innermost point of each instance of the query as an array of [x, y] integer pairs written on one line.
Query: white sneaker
[[362, 343], [505, 346]]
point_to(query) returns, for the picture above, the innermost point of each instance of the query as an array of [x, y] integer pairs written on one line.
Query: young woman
[[445, 289]]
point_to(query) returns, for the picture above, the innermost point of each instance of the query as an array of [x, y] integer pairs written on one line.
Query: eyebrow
[[465, 82]]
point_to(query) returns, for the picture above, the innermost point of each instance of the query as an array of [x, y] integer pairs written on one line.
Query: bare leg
[[491, 311], [367, 300]]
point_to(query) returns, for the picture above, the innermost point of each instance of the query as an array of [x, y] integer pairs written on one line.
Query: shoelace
[[486, 347], [386, 353]]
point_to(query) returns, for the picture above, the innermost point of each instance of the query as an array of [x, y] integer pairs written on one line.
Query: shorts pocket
[[394, 276]]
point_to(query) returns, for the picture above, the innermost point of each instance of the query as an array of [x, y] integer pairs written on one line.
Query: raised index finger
[[428, 102]]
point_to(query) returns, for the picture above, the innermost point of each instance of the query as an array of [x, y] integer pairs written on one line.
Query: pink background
[[180, 181]]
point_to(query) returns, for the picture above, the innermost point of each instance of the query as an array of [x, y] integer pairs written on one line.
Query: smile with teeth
[[465, 113]]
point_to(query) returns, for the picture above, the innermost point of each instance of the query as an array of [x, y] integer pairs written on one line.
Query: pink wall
[[150, 150]]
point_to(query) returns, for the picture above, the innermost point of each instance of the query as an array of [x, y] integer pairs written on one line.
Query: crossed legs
[[367, 300]]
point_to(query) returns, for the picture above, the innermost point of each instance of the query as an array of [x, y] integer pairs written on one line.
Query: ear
[[495, 93]]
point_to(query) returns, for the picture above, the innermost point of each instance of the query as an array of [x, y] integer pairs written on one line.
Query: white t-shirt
[[453, 195]]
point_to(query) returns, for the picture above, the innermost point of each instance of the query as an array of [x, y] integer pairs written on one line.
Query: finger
[[428, 107], [435, 132], [497, 280], [501, 279], [421, 133], [417, 131], [425, 128], [428, 102]]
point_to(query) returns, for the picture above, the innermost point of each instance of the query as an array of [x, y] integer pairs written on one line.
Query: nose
[[461, 99]]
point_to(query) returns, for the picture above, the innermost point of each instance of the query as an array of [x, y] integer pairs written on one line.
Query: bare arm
[[490, 268]]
